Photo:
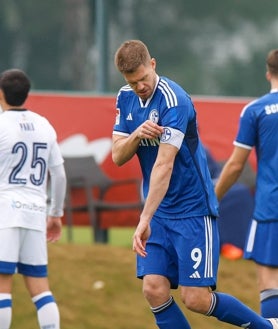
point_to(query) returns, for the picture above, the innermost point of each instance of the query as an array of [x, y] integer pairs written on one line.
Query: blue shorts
[[186, 251], [262, 243]]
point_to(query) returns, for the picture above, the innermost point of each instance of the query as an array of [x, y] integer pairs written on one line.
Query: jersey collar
[[16, 109]]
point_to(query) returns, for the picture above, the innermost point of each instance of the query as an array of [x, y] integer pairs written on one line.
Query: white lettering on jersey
[[271, 109]]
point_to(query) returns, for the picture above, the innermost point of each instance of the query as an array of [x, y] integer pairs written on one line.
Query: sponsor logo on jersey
[[27, 206], [27, 126], [129, 117], [195, 275], [154, 116], [149, 142], [117, 121]]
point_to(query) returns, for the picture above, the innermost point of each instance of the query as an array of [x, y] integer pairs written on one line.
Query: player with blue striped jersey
[[28, 153], [258, 129], [176, 239], [179, 130]]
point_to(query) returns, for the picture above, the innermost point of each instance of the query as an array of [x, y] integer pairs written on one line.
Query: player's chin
[[144, 95]]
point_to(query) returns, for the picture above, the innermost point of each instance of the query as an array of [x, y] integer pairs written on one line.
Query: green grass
[[121, 237], [75, 267]]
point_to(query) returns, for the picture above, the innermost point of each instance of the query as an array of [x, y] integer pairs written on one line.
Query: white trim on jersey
[[251, 237], [126, 88], [170, 96], [115, 132], [247, 106], [208, 265], [244, 146]]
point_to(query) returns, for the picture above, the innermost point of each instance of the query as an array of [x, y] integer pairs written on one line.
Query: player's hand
[[149, 130], [140, 237], [54, 228]]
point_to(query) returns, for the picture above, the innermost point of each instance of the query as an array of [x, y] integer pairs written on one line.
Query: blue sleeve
[[120, 122], [178, 117], [247, 127]]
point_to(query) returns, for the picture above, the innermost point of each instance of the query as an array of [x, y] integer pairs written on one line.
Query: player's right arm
[[231, 171], [124, 147]]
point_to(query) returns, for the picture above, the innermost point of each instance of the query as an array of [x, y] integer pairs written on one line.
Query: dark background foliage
[[211, 48]]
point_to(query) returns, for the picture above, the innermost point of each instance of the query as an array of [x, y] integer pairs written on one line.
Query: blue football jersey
[[259, 128], [191, 191]]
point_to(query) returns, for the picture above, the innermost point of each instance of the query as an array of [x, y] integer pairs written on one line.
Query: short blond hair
[[130, 55]]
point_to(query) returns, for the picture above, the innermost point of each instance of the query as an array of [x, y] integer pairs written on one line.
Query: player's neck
[[274, 84], [274, 89], [7, 107]]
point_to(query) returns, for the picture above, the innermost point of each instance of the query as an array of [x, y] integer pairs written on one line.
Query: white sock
[[5, 311], [47, 311]]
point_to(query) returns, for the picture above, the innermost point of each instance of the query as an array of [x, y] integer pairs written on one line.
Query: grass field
[[117, 236], [75, 268]]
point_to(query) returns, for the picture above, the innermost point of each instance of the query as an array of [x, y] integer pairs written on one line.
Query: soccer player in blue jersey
[[176, 239], [258, 128], [28, 152]]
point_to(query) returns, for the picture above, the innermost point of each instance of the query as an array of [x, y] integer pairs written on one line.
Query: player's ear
[[268, 76], [2, 97], [153, 63]]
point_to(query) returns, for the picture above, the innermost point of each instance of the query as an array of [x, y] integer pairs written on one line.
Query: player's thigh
[[9, 249], [161, 258]]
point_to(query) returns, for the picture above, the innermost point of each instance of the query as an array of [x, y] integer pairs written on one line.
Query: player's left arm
[[160, 178], [231, 170], [58, 190], [159, 183]]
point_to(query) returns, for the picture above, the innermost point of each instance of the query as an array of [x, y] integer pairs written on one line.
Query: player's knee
[[155, 292], [196, 302], [190, 302], [151, 290]]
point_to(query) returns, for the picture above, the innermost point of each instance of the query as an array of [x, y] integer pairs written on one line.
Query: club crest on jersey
[[153, 116], [117, 120], [166, 135]]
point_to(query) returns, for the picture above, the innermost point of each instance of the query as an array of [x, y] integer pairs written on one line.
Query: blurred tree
[[50, 40], [76, 40], [30, 30], [211, 48]]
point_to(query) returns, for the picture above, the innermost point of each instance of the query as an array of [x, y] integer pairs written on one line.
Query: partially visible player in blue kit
[[259, 129], [176, 240]]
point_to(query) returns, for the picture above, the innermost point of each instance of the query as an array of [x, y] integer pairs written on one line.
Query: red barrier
[[92, 118], [218, 120]]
